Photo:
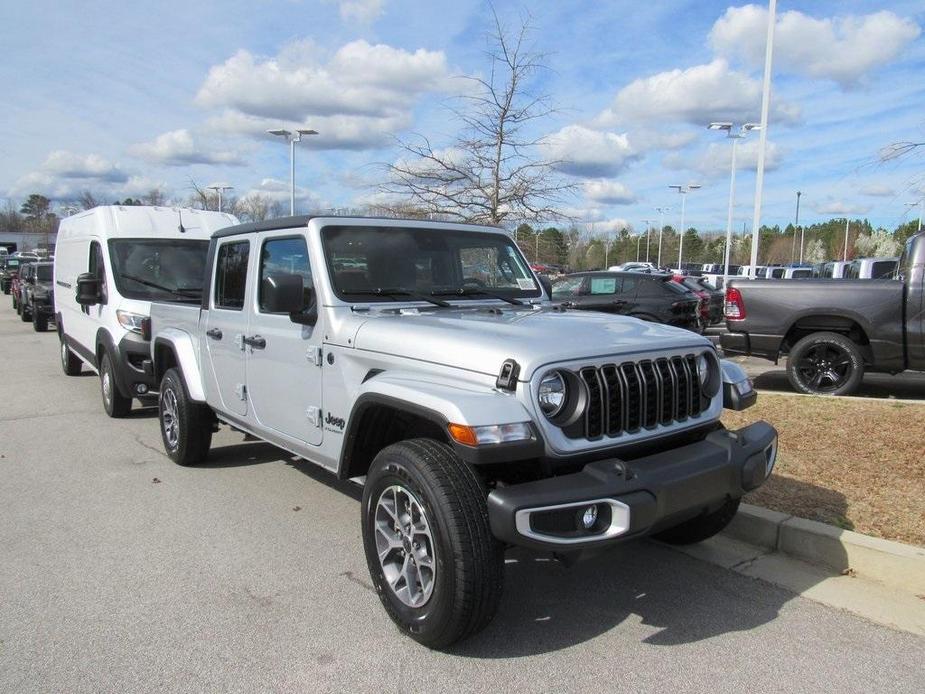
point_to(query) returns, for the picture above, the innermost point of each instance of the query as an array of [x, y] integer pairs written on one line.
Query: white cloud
[[877, 190], [581, 151], [364, 11], [843, 49], [278, 191], [179, 148], [611, 225], [839, 207], [696, 95], [609, 192], [355, 99], [716, 159], [65, 174], [64, 164]]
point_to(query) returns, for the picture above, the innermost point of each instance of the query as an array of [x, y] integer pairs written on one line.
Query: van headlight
[[553, 394]]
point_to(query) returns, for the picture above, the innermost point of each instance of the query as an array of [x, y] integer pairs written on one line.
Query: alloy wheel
[[169, 417], [825, 367], [405, 546]]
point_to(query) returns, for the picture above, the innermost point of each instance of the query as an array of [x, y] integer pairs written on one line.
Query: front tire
[[115, 404], [825, 364], [39, 321], [70, 362], [702, 527], [186, 426], [431, 555]]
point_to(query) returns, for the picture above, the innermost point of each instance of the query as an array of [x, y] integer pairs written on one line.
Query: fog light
[[589, 517], [141, 388]]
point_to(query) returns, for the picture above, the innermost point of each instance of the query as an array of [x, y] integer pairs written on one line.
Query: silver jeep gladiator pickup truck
[[424, 360]]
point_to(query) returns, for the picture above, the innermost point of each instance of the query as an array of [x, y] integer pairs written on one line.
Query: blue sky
[[116, 98]]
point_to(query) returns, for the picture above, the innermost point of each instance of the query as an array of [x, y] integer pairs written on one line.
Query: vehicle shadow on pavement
[[905, 386], [242, 454]]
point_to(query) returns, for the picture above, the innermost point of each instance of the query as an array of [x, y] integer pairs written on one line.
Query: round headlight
[[552, 394]]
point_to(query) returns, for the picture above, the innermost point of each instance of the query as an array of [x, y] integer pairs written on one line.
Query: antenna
[[181, 228]]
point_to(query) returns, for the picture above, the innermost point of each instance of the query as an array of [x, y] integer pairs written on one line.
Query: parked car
[[111, 263], [871, 268], [634, 267], [834, 270], [832, 332], [745, 270], [37, 294], [798, 273], [9, 268], [476, 415], [712, 299], [650, 297]]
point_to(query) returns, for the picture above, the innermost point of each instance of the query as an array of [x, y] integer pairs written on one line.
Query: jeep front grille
[[624, 398]]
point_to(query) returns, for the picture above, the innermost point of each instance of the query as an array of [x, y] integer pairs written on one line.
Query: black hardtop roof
[[302, 220]]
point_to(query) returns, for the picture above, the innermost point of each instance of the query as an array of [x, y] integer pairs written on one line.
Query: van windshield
[[159, 269]]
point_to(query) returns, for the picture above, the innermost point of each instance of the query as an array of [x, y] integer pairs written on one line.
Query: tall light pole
[[763, 137], [648, 235], [683, 191], [921, 205], [661, 226], [797, 226], [293, 136], [219, 188], [735, 136], [845, 254]]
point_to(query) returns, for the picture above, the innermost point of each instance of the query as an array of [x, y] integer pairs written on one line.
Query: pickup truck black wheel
[[24, 314], [702, 527], [115, 404], [70, 362], [186, 426], [435, 564], [39, 321], [825, 364]]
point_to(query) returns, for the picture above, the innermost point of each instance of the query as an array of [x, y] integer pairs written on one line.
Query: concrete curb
[[893, 564], [847, 398]]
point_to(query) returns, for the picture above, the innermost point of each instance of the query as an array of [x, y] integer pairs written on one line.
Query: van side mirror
[[88, 289], [286, 293]]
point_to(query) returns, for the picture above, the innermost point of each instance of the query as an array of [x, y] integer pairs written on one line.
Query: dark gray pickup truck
[[833, 330]]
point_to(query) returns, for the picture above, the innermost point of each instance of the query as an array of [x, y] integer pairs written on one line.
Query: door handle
[[255, 342], [214, 333]]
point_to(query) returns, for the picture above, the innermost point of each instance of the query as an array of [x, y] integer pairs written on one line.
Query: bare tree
[[87, 200], [201, 198], [494, 170], [155, 197]]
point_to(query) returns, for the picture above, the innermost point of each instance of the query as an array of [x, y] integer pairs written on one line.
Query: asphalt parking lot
[[120, 571]]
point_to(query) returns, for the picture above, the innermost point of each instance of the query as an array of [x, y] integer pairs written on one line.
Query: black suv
[[37, 300], [652, 297], [9, 267]]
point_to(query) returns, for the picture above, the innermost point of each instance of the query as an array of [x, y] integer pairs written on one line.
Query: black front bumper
[[652, 493]]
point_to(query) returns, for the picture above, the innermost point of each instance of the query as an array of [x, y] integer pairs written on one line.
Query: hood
[[481, 339]]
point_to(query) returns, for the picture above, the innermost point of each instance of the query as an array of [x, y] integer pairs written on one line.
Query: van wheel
[[70, 362], [700, 528], [825, 364], [186, 426], [115, 404], [431, 555], [39, 321]]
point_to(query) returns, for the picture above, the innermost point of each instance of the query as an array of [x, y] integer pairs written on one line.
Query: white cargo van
[[110, 264]]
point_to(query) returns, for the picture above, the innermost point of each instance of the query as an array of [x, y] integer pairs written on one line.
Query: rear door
[[226, 324], [283, 357], [601, 293]]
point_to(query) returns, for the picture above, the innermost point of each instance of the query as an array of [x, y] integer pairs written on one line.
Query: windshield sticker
[[525, 283]]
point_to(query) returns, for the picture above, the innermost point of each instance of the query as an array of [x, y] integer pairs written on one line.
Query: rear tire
[[441, 573], [39, 321], [186, 426], [115, 404], [702, 527], [24, 315], [825, 364], [70, 362]]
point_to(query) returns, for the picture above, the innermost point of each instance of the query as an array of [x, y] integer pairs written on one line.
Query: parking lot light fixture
[[648, 235], [921, 206], [661, 226], [735, 136], [219, 188], [293, 136], [683, 191]]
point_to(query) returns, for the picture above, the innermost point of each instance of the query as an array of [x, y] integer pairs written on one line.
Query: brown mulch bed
[[859, 465]]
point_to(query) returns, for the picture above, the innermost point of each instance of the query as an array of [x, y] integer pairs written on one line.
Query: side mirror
[[88, 289], [286, 293]]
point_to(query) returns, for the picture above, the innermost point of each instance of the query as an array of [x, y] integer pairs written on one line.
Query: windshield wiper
[[392, 292], [476, 291], [178, 292]]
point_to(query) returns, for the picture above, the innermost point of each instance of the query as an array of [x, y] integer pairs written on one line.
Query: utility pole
[[648, 234], [661, 226], [845, 255]]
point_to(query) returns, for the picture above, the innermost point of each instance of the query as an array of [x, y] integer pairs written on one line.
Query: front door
[[226, 325], [283, 357]]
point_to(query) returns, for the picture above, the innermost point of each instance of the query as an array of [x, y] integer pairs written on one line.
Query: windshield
[[392, 263], [159, 269], [43, 273]]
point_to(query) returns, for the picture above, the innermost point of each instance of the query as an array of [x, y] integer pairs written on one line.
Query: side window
[[231, 275], [629, 285], [285, 256], [603, 285], [97, 268]]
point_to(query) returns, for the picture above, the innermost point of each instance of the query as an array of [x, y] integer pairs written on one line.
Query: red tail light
[[735, 305]]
